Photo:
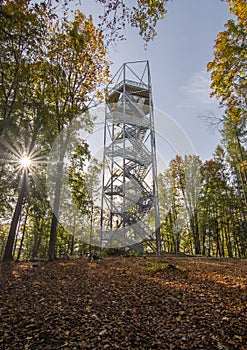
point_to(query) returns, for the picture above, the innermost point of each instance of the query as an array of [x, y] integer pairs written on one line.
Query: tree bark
[[53, 238], [8, 253], [22, 237], [195, 232], [54, 223]]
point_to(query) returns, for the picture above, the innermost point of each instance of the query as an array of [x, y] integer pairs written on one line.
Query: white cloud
[[197, 90]]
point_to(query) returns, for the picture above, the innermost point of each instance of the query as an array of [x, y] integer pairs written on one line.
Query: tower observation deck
[[129, 205]]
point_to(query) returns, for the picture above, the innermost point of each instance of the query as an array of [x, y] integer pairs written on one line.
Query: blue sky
[[178, 57]]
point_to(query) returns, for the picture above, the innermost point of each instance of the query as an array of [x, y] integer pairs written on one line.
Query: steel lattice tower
[[129, 207]]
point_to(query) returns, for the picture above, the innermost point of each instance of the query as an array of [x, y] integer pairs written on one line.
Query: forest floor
[[130, 303]]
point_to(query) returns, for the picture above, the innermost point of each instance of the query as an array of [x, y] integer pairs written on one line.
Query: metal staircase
[[129, 196]]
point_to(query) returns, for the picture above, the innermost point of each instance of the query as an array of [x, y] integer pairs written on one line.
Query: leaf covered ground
[[125, 303]]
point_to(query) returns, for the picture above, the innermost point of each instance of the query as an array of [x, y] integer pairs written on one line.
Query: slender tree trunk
[[218, 253], [37, 239], [54, 223], [58, 188], [22, 237], [53, 238], [228, 241], [72, 240], [8, 253], [16, 235], [72, 246], [2, 248], [222, 239], [203, 239], [242, 175], [195, 232], [209, 243], [35, 245], [91, 228]]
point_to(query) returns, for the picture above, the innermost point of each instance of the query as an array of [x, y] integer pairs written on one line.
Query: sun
[[22, 158], [25, 161]]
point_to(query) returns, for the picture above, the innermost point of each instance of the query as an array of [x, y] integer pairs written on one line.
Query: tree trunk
[[22, 237], [54, 223], [195, 232], [53, 238], [8, 253], [37, 239], [16, 235], [209, 243], [203, 239], [228, 241], [218, 252], [72, 244]]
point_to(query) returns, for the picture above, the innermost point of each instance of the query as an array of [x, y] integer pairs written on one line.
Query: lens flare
[[20, 157], [25, 162]]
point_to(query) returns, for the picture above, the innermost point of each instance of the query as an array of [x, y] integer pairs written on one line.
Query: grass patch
[[161, 266]]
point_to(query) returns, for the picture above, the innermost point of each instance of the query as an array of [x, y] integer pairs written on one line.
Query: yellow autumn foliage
[[238, 8], [228, 69]]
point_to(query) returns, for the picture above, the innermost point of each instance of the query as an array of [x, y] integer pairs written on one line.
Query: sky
[[178, 57]]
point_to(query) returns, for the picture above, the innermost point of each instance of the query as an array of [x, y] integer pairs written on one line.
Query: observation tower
[[129, 204]]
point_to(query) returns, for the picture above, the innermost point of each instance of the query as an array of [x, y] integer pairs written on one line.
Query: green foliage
[[229, 79], [77, 178], [143, 15], [118, 14], [51, 69], [180, 188], [224, 199], [22, 29], [215, 220]]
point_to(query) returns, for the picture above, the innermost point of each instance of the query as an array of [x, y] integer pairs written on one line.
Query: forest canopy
[[52, 68]]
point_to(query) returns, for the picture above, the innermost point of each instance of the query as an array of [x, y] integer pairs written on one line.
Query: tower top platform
[[130, 86]]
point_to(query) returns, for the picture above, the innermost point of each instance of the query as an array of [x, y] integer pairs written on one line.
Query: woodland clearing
[[165, 302]]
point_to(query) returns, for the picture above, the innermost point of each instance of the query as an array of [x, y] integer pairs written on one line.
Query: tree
[[234, 136], [17, 212], [229, 84], [178, 173], [77, 66], [117, 15], [77, 178], [179, 194], [171, 207], [26, 175], [229, 74], [231, 204], [143, 15], [50, 71], [190, 185], [212, 198], [21, 33]]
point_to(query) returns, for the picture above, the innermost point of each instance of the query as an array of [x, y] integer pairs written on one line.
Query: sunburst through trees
[[21, 166], [20, 156]]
